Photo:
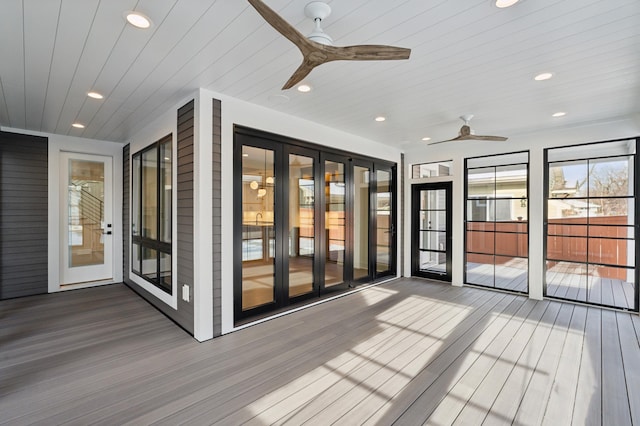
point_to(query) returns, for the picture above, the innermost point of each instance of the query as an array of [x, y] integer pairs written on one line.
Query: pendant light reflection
[[268, 180]]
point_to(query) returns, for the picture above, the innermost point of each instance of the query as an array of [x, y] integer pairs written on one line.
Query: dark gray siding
[[401, 192], [184, 212], [183, 316], [126, 224], [23, 215], [217, 217]]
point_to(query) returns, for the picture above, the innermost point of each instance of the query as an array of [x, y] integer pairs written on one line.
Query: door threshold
[[248, 322], [86, 284]]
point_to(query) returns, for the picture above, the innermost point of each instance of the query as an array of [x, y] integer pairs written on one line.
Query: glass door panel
[[258, 227], [431, 229], [361, 223], [86, 243], [384, 222], [335, 223], [86, 213], [301, 224]]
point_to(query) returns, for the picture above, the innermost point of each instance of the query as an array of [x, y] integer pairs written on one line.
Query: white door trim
[[92, 273], [57, 146]]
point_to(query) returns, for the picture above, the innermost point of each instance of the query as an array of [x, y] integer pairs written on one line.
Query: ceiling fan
[[317, 49], [466, 134]]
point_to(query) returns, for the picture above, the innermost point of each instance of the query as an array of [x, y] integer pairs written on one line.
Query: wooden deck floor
[[407, 352], [570, 281]]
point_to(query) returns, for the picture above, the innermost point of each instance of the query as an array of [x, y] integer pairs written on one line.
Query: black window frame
[[487, 219], [161, 247], [634, 185]]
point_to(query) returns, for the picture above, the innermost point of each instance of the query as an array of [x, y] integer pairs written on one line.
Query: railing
[[91, 208], [90, 217]]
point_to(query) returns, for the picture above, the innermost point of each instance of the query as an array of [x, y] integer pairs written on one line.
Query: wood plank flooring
[[407, 352], [571, 281]]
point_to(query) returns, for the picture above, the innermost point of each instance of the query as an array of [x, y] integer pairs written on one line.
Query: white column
[[202, 220], [536, 223]]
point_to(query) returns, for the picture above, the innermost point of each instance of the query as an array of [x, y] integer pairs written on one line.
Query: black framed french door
[[335, 255], [301, 213], [431, 211], [384, 221], [258, 226], [309, 222], [361, 242]]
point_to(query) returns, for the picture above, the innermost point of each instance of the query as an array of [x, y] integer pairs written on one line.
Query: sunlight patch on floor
[[375, 368]]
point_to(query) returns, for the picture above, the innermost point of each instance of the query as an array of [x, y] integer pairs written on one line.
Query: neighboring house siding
[[23, 215], [217, 217], [183, 243]]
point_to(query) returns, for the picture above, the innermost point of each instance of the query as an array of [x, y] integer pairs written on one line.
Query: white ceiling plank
[[227, 35], [106, 29], [188, 51], [76, 19], [40, 28], [135, 46], [12, 63], [478, 74], [466, 55]]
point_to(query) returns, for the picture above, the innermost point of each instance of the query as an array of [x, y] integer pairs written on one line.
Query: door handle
[[106, 233]]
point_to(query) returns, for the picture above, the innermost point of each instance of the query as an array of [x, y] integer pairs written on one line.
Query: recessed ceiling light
[[138, 20], [78, 125], [95, 95], [380, 118], [304, 88], [559, 114], [426, 139], [245, 155], [543, 76], [505, 3]]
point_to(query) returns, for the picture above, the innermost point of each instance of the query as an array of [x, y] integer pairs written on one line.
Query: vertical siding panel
[[126, 223], [401, 192], [23, 215], [184, 212], [217, 215]]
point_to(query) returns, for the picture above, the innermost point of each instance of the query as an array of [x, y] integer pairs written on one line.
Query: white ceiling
[[467, 57]]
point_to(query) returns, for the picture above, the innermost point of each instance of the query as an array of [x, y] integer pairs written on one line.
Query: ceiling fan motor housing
[[318, 11]]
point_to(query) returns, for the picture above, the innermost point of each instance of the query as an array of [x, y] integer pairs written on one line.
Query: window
[[590, 224], [496, 225], [151, 176], [427, 170]]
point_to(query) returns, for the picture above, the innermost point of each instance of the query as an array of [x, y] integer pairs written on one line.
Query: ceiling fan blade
[[280, 25], [488, 138], [459, 138], [303, 70], [366, 53]]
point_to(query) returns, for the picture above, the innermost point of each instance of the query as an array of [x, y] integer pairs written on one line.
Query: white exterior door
[[86, 243]]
